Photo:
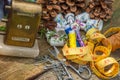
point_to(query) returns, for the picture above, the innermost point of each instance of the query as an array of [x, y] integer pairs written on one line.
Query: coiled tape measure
[[97, 62], [88, 53], [99, 68]]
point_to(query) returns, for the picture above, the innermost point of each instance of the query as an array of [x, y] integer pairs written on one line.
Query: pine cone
[[53, 7], [101, 9]]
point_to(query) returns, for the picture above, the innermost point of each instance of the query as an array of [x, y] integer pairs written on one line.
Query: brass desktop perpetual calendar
[[23, 22]]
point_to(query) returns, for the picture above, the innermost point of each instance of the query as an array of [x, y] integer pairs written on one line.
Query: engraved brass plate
[[21, 39]]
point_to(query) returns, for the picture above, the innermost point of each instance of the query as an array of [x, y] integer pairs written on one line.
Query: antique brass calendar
[[23, 22]]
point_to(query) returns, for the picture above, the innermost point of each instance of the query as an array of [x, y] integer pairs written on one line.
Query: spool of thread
[[77, 43], [72, 39], [68, 29], [79, 38]]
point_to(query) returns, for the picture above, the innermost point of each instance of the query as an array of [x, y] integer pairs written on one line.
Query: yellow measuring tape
[[74, 51], [96, 52], [101, 61], [104, 52], [83, 53], [91, 31], [111, 30], [99, 68], [106, 62], [96, 38], [88, 53]]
